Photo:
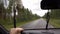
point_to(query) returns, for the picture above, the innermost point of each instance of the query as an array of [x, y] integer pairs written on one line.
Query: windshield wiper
[[47, 19]]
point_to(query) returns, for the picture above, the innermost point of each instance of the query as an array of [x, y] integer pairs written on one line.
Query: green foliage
[[55, 18], [55, 23], [26, 14], [23, 16], [55, 13]]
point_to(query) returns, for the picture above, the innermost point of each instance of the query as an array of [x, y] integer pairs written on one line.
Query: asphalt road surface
[[40, 23]]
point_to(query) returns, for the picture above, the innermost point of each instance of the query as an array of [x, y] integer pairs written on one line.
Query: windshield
[[27, 14]]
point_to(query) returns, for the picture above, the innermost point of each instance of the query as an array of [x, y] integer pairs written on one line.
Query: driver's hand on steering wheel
[[16, 30]]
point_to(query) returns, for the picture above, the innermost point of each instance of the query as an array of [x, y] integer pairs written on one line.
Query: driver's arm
[[16, 30]]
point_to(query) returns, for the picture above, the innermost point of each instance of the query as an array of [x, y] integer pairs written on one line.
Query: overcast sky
[[34, 5], [6, 3]]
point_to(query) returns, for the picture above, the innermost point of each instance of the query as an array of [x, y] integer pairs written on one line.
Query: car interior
[[45, 5]]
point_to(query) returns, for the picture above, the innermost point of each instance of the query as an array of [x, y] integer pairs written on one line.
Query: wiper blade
[[42, 29]]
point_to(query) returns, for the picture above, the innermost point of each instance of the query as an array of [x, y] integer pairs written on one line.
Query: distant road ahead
[[40, 23]]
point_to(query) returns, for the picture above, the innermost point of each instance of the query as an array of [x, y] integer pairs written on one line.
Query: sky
[[6, 3], [34, 6]]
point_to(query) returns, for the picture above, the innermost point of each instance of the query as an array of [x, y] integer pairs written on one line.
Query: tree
[[55, 13]]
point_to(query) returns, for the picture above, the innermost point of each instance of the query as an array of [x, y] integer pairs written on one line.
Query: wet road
[[40, 23]]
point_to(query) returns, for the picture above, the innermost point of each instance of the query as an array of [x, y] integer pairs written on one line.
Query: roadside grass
[[55, 23], [9, 26]]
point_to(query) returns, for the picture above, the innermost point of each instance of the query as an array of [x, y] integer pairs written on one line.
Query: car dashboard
[[51, 31]]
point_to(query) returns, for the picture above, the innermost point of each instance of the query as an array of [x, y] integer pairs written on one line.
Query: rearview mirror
[[50, 4]]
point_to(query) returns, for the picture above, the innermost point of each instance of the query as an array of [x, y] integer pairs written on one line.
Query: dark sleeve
[[3, 30]]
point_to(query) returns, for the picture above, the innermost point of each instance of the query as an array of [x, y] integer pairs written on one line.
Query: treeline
[[26, 15], [55, 14], [23, 14]]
